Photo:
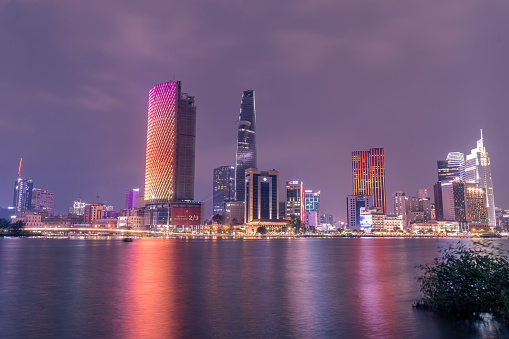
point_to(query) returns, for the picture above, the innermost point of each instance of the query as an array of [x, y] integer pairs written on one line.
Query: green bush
[[467, 281]]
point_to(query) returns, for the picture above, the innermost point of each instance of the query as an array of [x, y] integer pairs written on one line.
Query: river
[[222, 288]]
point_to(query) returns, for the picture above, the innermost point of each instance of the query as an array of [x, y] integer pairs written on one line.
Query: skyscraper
[[477, 170], [223, 187], [294, 199], [262, 194], [171, 134], [453, 168], [246, 142], [368, 174], [22, 200]]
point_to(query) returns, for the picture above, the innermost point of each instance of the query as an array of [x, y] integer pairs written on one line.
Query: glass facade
[[478, 171], [223, 187], [246, 142]]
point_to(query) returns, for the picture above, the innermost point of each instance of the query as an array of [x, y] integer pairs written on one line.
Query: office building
[[130, 198], [312, 201], [294, 199], [171, 134], [399, 203], [43, 201], [282, 209], [246, 142], [368, 174], [453, 201], [353, 209], [223, 187], [22, 200], [262, 195], [233, 212], [93, 212], [476, 211], [453, 168], [478, 171]]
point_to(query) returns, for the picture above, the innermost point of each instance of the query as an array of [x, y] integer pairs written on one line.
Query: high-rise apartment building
[[22, 200], [43, 200], [246, 142], [294, 199], [130, 198], [353, 209], [368, 174], [223, 187], [262, 194], [171, 134], [478, 171]]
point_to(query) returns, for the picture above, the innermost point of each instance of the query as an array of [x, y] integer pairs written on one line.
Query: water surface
[[233, 288]]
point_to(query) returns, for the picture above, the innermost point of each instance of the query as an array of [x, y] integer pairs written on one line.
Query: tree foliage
[[262, 230], [467, 281]]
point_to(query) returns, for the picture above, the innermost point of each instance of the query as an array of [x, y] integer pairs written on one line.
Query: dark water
[[156, 288]]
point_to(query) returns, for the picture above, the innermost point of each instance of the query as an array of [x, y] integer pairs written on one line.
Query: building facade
[[22, 200], [246, 142], [353, 209], [171, 134], [223, 187], [294, 199], [43, 201], [262, 195], [478, 171], [130, 198], [368, 174]]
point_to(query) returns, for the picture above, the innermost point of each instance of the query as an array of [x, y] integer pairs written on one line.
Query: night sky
[[419, 78]]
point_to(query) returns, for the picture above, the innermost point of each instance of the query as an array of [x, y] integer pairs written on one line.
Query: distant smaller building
[[130, 197]]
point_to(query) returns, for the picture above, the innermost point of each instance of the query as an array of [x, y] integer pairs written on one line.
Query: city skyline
[[84, 121]]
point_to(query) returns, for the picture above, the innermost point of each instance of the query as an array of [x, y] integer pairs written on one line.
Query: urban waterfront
[[83, 288]]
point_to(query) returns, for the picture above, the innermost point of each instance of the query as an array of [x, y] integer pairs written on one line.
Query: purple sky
[[417, 78]]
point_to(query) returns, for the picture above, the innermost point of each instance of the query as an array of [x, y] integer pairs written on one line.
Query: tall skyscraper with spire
[[477, 170], [246, 142]]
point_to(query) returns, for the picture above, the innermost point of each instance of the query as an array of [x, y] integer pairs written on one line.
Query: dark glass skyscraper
[[246, 142]]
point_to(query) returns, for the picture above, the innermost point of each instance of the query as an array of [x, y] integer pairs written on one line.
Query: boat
[[127, 240]]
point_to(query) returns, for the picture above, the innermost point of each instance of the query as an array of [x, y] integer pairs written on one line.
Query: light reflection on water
[[170, 288]]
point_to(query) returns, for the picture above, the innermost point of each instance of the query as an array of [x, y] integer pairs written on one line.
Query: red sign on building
[[185, 216]]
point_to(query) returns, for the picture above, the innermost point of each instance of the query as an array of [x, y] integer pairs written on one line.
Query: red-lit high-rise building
[[368, 174]]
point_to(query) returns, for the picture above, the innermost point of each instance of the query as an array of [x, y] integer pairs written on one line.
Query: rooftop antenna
[[19, 169]]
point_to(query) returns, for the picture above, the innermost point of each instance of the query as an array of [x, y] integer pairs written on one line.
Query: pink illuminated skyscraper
[[171, 134]]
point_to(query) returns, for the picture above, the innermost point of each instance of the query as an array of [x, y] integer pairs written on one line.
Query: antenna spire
[[19, 168]]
